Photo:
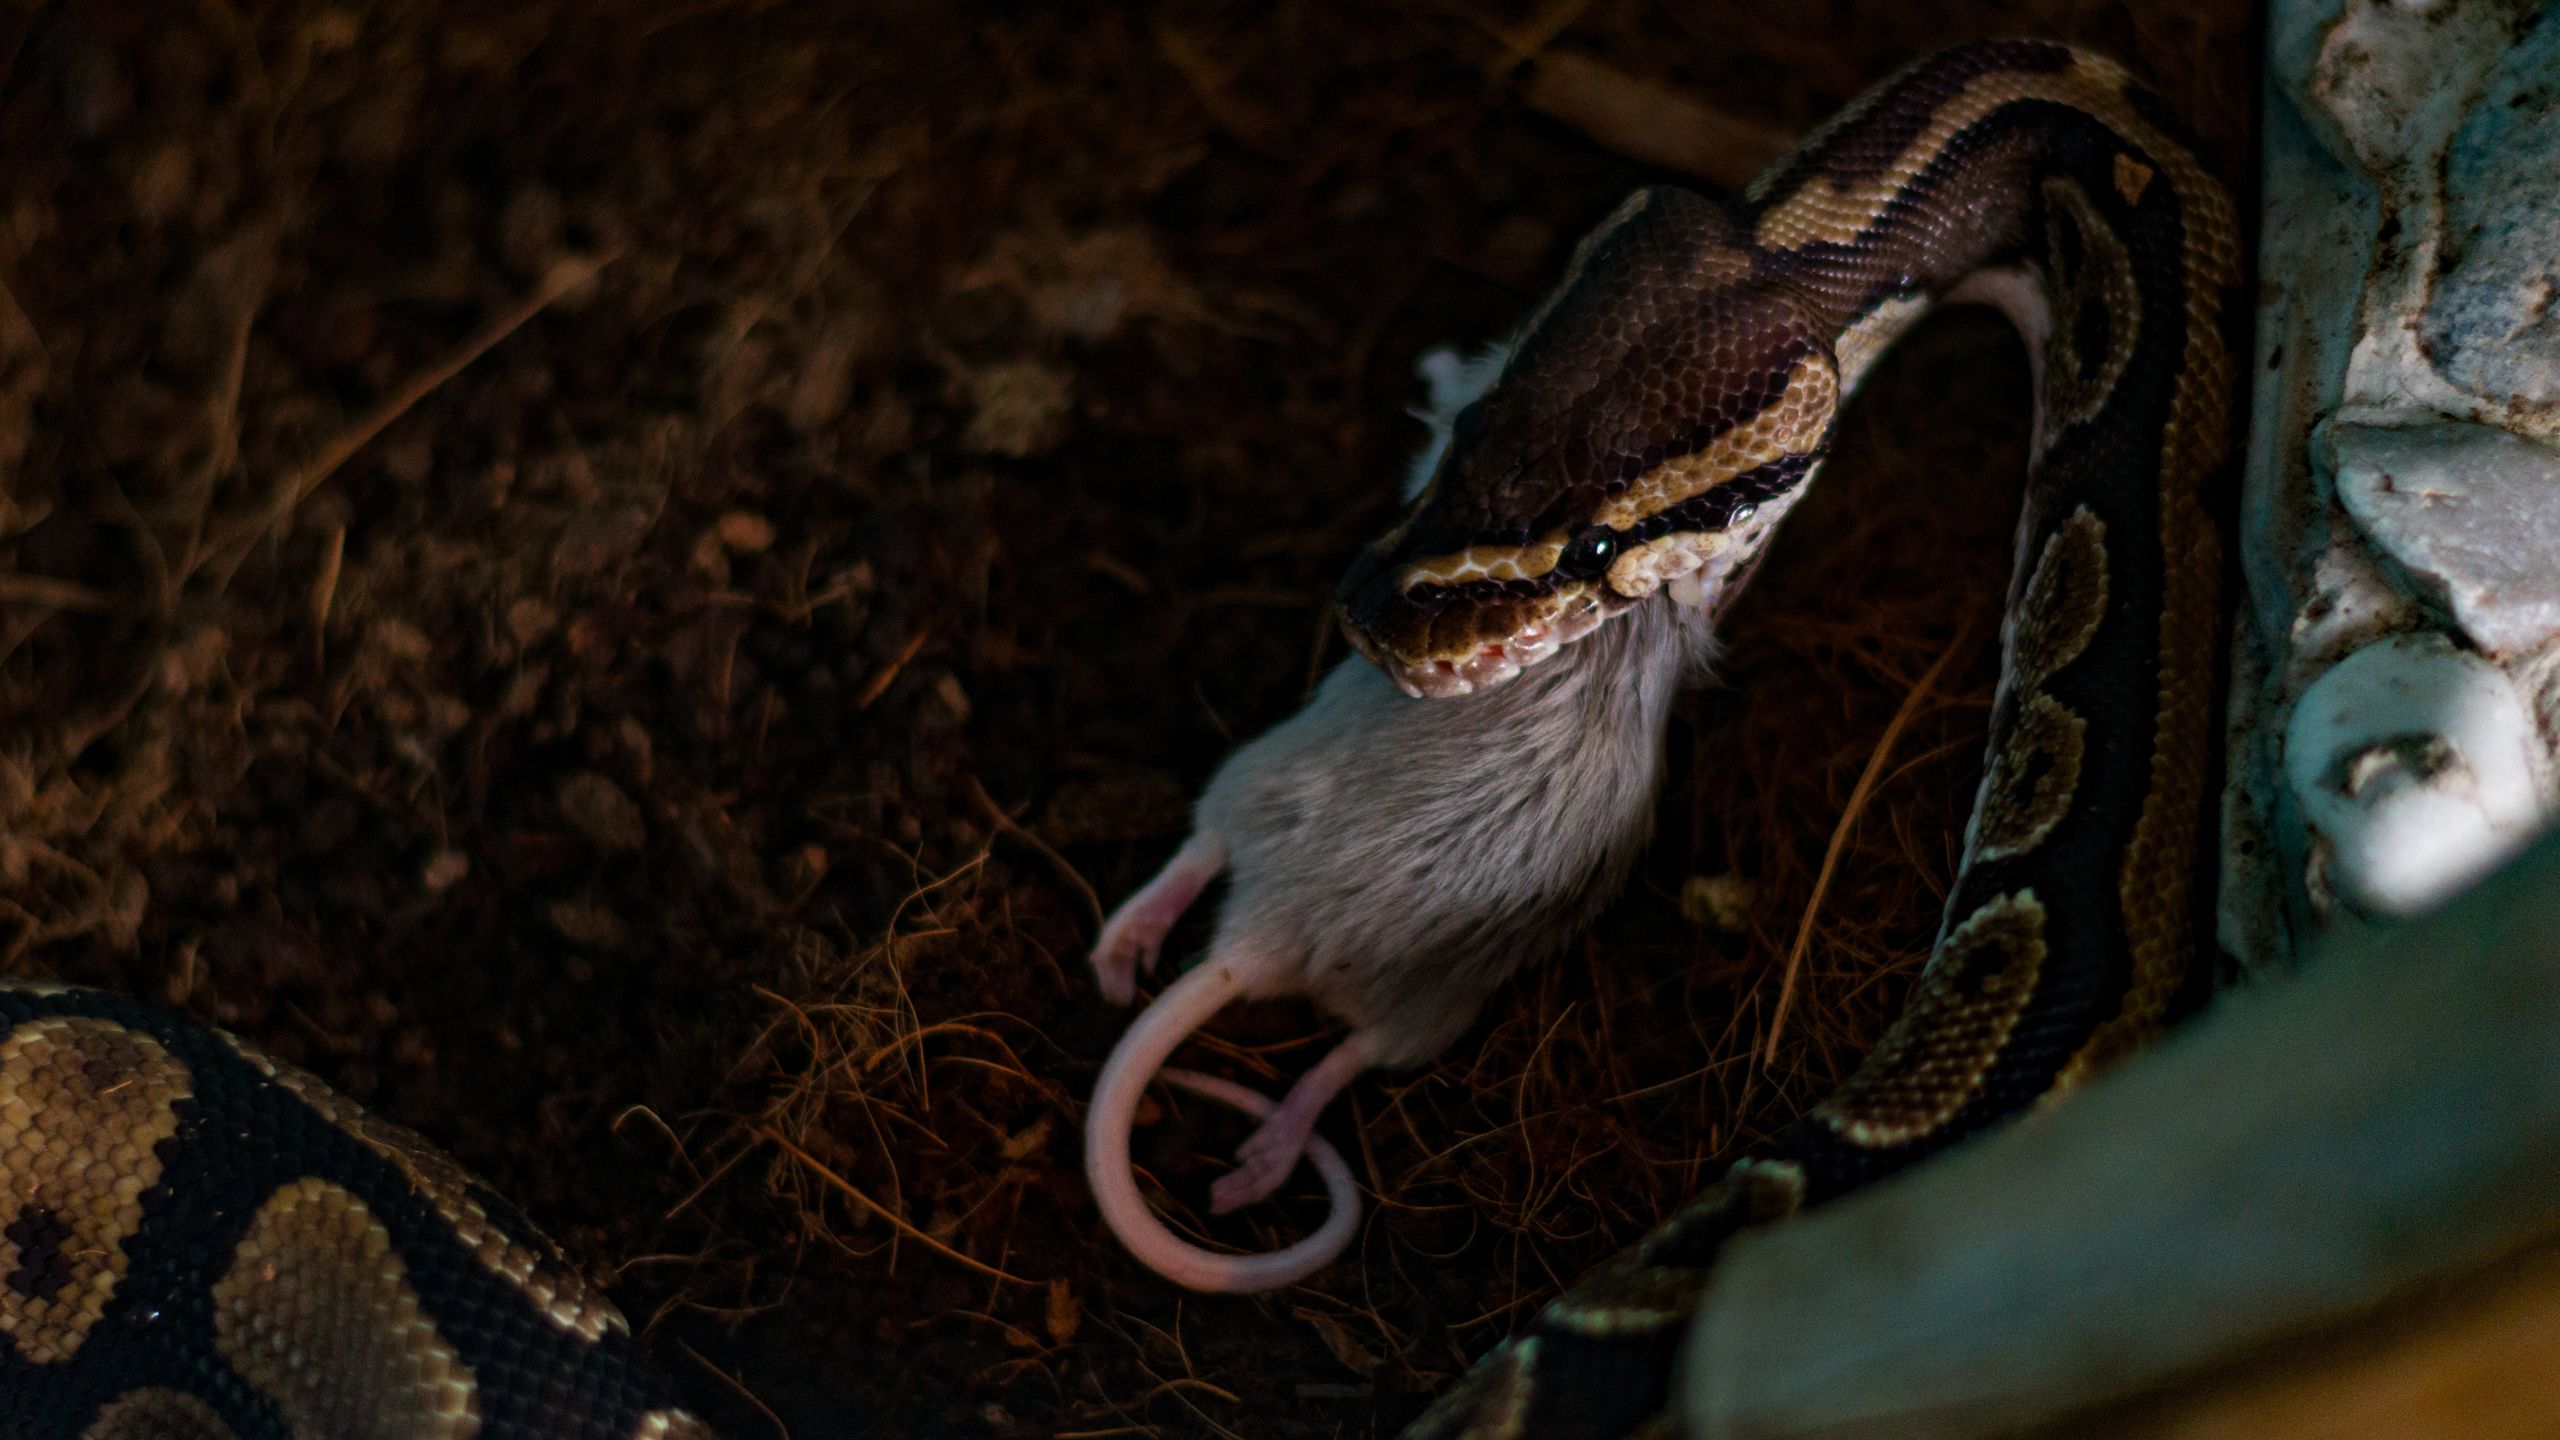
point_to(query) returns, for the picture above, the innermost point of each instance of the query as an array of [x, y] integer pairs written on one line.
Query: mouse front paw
[[1128, 945], [1133, 937]]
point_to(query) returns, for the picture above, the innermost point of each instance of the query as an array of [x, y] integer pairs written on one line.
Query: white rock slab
[[2471, 516], [2417, 768]]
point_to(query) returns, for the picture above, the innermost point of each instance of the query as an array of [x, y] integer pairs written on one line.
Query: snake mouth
[[1437, 645], [1495, 662]]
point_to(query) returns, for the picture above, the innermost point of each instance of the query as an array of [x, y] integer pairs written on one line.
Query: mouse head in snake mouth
[[1658, 413]]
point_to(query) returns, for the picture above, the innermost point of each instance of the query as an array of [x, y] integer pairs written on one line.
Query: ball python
[[199, 1242], [1658, 415]]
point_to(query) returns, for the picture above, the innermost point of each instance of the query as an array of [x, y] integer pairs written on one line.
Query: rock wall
[[2396, 670]]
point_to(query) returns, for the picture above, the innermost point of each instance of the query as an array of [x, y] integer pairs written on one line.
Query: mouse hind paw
[[1268, 1154], [1262, 1162]]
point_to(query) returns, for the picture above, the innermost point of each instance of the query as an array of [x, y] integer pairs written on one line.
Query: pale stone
[[2414, 765], [2490, 325], [2470, 513]]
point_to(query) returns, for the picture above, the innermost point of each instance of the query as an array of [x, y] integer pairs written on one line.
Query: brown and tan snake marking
[[1673, 398], [200, 1243]]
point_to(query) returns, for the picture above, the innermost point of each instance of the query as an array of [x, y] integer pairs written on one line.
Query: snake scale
[[200, 1243]]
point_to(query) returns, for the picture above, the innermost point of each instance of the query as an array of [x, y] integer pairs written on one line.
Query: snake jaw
[[1493, 663], [1701, 571]]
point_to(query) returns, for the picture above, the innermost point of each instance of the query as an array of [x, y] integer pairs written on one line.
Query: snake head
[[1657, 415]]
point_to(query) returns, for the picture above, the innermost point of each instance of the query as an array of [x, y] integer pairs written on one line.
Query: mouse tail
[[1186, 1005]]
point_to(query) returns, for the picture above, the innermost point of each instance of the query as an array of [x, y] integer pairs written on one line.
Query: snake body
[[198, 1242], [1661, 411]]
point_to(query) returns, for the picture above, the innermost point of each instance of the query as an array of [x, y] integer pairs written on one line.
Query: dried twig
[[18, 588], [1010, 826], [1654, 123], [878, 684], [898, 1222], [739, 1387], [230, 543]]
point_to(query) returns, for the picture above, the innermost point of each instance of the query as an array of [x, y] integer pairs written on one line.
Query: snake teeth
[[1500, 661], [1438, 680], [1491, 666], [1488, 667]]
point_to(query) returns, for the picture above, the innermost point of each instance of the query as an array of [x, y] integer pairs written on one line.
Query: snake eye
[[1589, 553]]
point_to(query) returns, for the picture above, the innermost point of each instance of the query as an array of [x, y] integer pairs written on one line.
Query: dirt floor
[[624, 583]]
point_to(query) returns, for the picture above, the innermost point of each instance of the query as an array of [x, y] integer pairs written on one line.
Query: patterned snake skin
[[200, 1243], [1663, 410]]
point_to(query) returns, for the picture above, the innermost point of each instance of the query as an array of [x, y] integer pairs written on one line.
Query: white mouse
[[1394, 860]]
